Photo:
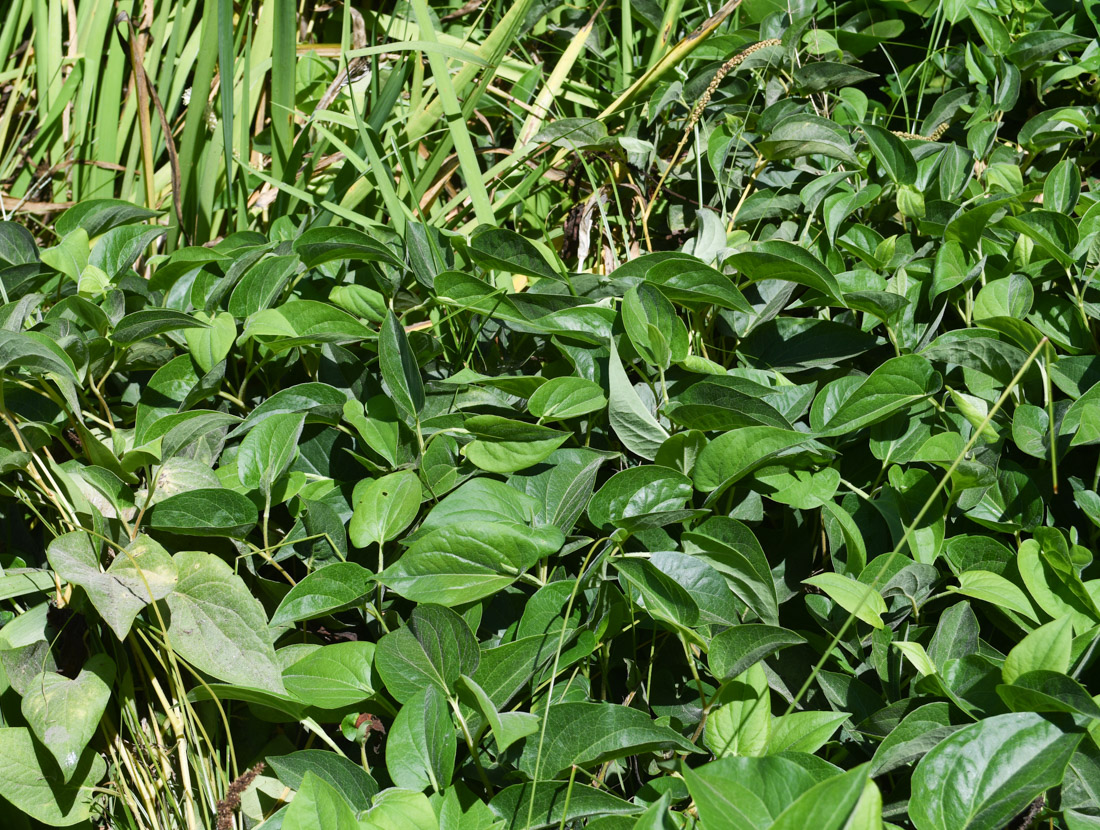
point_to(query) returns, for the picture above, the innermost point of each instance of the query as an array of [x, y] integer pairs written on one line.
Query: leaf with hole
[[385, 508]]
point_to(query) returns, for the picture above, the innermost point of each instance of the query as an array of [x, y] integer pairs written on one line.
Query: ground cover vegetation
[[623, 415]]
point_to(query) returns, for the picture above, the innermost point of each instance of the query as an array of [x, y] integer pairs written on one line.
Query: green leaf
[[658, 816], [661, 596], [779, 260], [726, 403], [804, 731], [333, 676], [995, 589], [730, 547], [507, 446], [282, 704], [480, 499], [505, 669], [801, 489], [70, 254], [636, 493], [750, 792], [455, 565], [360, 301], [653, 326], [20, 582], [858, 599], [704, 584], [353, 784], [1054, 234], [1010, 296], [1061, 189], [382, 430], [806, 135], [64, 714], [22, 351], [116, 250], [321, 403], [97, 216], [268, 450], [686, 280], [1048, 691], [217, 625], [385, 508], [1039, 43], [1054, 585], [917, 656], [142, 325], [507, 727], [1048, 647], [893, 156], [739, 647], [204, 512], [318, 804], [324, 591], [734, 454], [210, 346], [303, 323], [397, 809], [554, 803], [144, 572], [828, 805], [505, 250], [261, 285], [562, 488], [421, 745], [31, 781], [324, 244], [896, 384], [568, 397], [918, 732], [1081, 787], [586, 734], [436, 647], [1080, 419], [988, 772], [399, 368], [819, 76], [741, 723], [631, 419]]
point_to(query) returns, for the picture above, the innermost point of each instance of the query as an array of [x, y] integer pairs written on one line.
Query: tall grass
[[218, 128]]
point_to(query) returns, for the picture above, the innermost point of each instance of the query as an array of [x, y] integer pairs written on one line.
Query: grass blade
[[464, 145], [284, 60]]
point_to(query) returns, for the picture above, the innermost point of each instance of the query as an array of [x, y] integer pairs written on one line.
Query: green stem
[[472, 745]]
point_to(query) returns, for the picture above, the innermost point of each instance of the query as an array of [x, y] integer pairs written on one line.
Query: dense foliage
[[508, 447]]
